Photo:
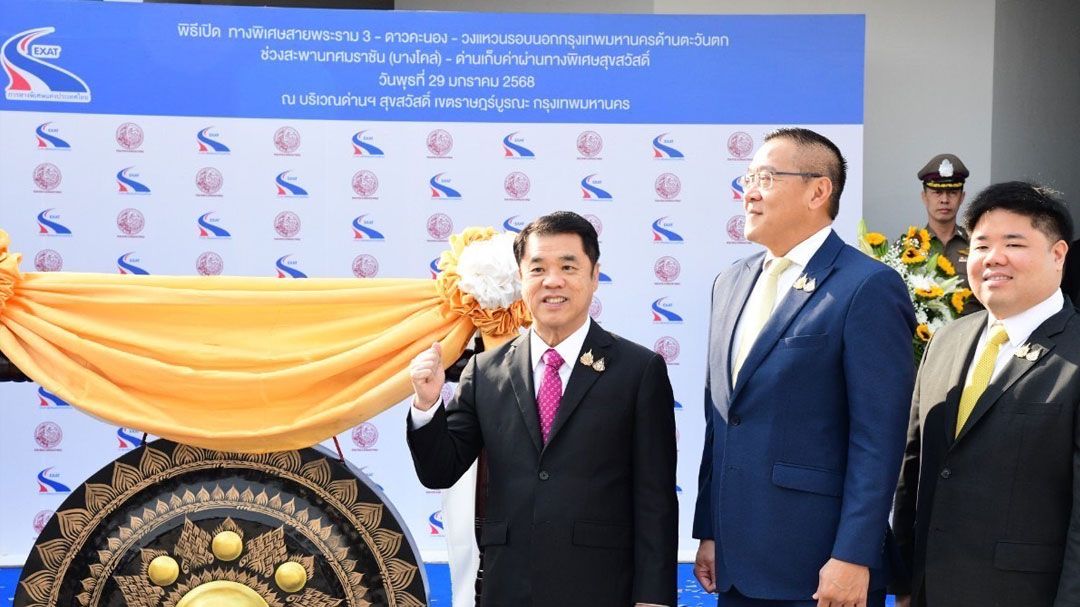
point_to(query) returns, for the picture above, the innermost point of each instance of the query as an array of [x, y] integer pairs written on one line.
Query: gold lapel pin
[[598, 366], [587, 359], [810, 285], [800, 283], [1023, 351]]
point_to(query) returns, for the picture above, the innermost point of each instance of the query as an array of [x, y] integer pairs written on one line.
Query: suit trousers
[[733, 598]]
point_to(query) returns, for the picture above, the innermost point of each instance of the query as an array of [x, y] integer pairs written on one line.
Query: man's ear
[[821, 193]]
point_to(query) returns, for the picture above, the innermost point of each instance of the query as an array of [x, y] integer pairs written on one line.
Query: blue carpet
[[690, 594]]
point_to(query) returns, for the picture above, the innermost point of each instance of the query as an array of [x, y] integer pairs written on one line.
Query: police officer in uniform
[[943, 180]]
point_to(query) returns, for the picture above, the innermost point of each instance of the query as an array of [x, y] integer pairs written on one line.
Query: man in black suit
[[581, 506], [988, 505]]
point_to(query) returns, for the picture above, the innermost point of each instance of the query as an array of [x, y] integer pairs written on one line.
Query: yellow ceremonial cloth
[[235, 364]]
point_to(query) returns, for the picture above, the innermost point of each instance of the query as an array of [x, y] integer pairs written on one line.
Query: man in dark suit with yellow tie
[[988, 505]]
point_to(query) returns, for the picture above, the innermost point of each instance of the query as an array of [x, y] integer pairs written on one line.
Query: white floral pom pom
[[489, 273]]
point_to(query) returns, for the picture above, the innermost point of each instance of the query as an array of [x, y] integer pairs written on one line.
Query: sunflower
[[960, 298], [918, 239], [945, 266], [912, 256], [931, 291], [923, 332], [875, 239]]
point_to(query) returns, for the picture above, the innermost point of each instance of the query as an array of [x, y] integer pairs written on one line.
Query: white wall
[[929, 82]]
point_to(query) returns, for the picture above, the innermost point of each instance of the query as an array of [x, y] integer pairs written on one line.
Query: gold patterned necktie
[[980, 377], [759, 314]]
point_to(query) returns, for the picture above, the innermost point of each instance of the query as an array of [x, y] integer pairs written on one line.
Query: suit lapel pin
[[1029, 352], [1022, 351], [598, 366], [804, 283], [587, 359]]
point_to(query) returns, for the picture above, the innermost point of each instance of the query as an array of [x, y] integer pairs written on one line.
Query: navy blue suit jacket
[[802, 455]]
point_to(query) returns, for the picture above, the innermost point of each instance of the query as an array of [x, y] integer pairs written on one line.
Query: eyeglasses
[[764, 179]]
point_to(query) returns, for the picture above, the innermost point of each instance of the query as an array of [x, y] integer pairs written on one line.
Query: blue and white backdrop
[[180, 139]]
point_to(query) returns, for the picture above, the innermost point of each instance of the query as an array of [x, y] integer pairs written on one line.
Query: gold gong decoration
[[170, 525]]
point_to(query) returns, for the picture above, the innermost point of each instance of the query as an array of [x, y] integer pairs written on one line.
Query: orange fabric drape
[[235, 364]]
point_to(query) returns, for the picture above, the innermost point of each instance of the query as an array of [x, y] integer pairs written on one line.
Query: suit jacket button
[[946, 473], [734, 420], [544, 475]]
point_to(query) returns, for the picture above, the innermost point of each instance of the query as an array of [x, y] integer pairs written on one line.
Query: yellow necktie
[[760, 313], [980, 377]]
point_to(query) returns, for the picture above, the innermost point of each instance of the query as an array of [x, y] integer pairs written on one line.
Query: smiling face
[[942, 205], [557, 283], [1012, 265]]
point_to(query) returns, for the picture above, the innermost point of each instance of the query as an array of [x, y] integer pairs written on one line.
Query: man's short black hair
[[1047, 211], [835, 168], [560, 222]]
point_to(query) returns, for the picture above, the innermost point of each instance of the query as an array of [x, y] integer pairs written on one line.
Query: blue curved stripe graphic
[[604, 277], [436, 520], [125, 437], [665, 233], [678, 405], [434, 266], [518, 150], [15, 56], [218, 232], [510, 227], [47, 483], [284, 270], [48, 397], [666, 150], [735, 185], [366, 147], [364, 231], [294, 190], [126, 267], [131, 183], [53, 140], [439, 190], [668, 315], [593, 191], [52, 226], [205, 139]]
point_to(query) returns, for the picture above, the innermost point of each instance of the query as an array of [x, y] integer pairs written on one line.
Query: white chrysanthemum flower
[[489, 273]]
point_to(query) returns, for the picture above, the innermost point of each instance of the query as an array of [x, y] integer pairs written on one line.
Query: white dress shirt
[[799, 255], [1019, 327], [568, 349]]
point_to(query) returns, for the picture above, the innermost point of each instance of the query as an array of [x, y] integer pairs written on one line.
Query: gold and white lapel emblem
[[804, 283], [588, 360]]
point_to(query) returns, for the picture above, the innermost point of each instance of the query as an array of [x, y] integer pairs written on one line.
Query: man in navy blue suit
[[809, 382]]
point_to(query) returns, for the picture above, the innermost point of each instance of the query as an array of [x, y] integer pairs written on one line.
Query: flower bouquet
[[931, 279]]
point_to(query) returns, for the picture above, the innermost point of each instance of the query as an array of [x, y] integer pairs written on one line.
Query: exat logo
[[127, 182], [662, 312], [49, 224], [49, 482], [514, 224], [209, 143], [440, 188], [435, 524], [663, 147], [128, 264], [31, 74], [433, 267], [514, 147], [48, 400], [289, 186], [128, 438], [363, 146], [288, 268], [48, 138], [737, 189], [663, 232], [591, 190], [362, 229], [209, 227]]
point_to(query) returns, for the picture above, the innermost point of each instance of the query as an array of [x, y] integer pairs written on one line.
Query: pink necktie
[[547, 399]]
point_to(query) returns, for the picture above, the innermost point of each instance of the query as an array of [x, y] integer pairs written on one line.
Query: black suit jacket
[[992, 517], [588, 519]]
